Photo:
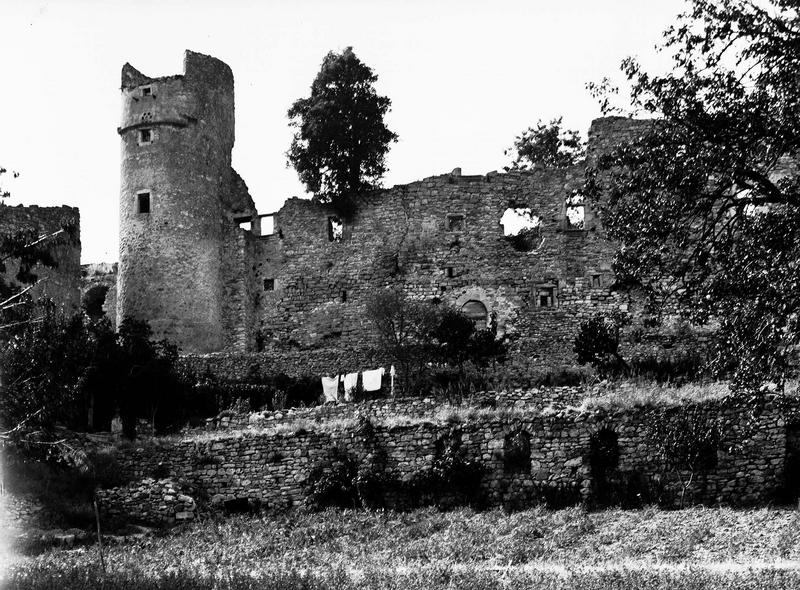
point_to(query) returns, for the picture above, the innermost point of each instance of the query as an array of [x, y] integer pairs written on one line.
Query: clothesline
[[370, 381]]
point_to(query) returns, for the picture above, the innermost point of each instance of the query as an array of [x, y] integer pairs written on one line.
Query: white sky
[[465, 77]]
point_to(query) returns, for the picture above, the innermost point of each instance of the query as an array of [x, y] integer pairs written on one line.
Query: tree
[[705, 202], [597, 343], [686, 440], [546, 144], [422, 336], [27, 249], [341, 142], [405, 331]]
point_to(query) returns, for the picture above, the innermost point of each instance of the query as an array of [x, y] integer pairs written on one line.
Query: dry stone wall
[[272, 468], [150, 501]]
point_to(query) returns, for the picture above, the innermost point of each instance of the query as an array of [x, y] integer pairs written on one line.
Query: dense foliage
[[546, 144], [686, 440], [597, 343], [431, 343], [705, 201], [73, 372], [341, 141]]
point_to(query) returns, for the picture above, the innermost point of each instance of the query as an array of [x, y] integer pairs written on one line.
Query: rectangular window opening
[[575, 217], [450, 272], [546, 297], [335, 229], [143, 203], [267, 224], [145, 136], [344, 296], [455, 223], [595, 281], [147, 91], [269, 284]]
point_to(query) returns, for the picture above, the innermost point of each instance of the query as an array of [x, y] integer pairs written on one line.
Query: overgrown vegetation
[[78, 373], [598, 344], [689, 549], [436, 348], [704, 201]]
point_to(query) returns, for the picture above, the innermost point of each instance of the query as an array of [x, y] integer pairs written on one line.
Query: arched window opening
[[476, 311]]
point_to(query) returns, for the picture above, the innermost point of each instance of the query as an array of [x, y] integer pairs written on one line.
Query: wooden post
[[99, 535]]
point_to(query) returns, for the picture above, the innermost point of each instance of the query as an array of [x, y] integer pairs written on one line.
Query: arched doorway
[[476, 311]]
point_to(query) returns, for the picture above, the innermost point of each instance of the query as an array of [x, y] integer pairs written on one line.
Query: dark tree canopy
[[705, 202], [341, 141], [546, 144]]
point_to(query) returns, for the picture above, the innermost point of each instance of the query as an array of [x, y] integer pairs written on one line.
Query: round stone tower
[[177, 134]]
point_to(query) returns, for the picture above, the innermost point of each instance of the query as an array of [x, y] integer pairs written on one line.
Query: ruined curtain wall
[[61, 283]]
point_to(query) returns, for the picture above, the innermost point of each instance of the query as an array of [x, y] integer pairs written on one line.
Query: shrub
[[597, 343], [332, 483], [452, 480]]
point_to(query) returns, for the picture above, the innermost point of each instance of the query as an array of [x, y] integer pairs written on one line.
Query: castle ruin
[[207, 271]]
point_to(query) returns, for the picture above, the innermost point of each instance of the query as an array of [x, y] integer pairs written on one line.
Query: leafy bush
[[679, 367], [210, 397], [332, 483], [452, 480], [433, 345], [686, 440], [597, 343]]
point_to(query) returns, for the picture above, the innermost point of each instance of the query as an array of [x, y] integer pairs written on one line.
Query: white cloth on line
[[372, 379], [350, 382], [330, 387], [392, 371]]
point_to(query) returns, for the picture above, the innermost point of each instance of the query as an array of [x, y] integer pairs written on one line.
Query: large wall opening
[[93, 301], [476, 311]]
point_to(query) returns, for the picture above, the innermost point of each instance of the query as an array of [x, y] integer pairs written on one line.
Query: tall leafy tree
[[548, 144], [705, 202], [341, 142]]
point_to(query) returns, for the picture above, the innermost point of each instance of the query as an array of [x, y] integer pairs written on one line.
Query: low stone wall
[[413, 407], [148, 501], [271, 468]]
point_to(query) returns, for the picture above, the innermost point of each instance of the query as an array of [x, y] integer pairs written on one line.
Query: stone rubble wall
[[149, 501], [412, 407], [271, 468], [62, 282]]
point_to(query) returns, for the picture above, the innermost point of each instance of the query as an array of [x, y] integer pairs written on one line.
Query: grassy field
[[692, 549]]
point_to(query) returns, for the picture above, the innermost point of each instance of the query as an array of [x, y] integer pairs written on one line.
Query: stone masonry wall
[[150, 501], [61, 283], [271, 468], [177, 133], [305, 291], [416, 407]]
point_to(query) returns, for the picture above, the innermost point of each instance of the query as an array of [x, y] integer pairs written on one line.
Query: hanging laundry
[[330, 387], [350, 382], [372, 379], [392, 373]]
